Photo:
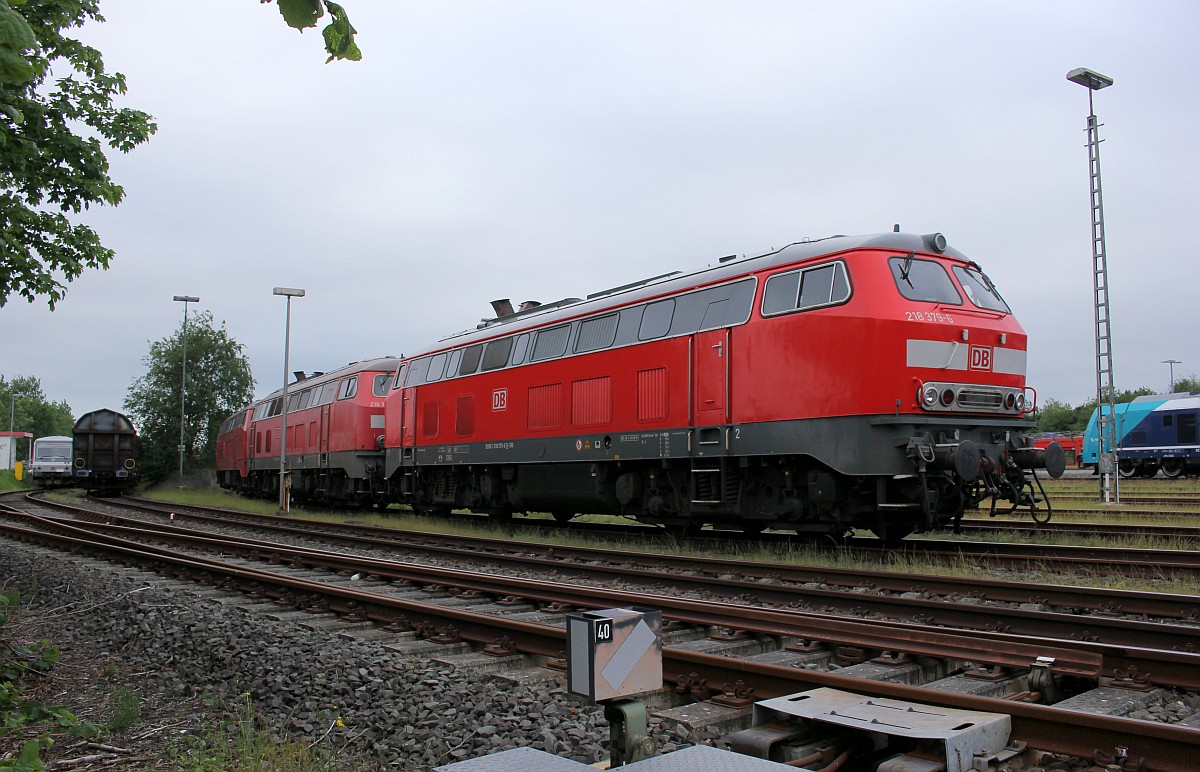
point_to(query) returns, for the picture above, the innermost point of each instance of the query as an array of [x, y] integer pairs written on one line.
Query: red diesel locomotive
[[334, 437], [852, 382]]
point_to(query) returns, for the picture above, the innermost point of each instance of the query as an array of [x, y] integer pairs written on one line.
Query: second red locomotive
[[853, 382]]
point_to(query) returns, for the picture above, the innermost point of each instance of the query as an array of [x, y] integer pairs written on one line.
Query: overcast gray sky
[[539, 150]]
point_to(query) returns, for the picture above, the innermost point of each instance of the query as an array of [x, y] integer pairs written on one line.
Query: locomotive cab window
[[379, 384], [349, 387], [923, 280], [980, 290], [823, 285]]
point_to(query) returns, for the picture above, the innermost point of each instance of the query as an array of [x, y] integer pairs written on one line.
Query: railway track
[[1080, 659]]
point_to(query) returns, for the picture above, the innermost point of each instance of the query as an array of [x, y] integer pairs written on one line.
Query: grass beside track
[[802, 554]]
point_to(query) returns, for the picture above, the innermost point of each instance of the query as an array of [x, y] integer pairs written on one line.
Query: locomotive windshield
[[924, 280], [980, 290], [58, 451]]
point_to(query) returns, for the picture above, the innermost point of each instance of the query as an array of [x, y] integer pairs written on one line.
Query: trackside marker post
[[611, 655]]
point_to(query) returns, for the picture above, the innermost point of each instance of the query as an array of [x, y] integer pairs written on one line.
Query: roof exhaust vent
[[530, 304], [300, 375], [503, 307]]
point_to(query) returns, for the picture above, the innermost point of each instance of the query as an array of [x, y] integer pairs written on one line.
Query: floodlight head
[[288, 291], [187, 298], [1090, 78]]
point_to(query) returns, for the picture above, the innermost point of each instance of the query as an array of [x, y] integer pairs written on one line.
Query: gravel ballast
[[392, 710]]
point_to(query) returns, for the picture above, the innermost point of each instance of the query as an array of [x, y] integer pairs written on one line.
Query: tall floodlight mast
[[1106, 425]]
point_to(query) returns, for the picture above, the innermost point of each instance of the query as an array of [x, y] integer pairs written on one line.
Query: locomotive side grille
[[978, 399]]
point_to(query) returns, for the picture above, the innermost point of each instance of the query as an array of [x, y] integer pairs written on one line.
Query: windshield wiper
[[904, 269]]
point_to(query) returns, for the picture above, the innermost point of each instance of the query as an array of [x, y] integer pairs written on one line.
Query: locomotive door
[[408, 418], [323, 431], [710, 373]]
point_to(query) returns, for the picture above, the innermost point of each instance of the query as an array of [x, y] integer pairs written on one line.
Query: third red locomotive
[[870, 382]]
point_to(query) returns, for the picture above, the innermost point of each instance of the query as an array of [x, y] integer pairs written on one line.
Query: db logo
[[981, 357], [500, 399]]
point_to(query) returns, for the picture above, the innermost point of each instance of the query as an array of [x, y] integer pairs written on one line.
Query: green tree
[[1189, 384], [52, 136], [219, 383], [53, 132], [1056, 416], [22, 398]]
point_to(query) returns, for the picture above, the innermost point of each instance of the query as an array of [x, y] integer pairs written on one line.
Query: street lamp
[[1172, 363], [284, 498], [1106, 425], [185, 299]]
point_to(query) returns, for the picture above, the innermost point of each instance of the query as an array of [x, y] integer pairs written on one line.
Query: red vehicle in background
[[334, 437], [233, 448], [1071, 443]]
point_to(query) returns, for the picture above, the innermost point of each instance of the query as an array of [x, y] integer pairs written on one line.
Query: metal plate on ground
[[706, 758], [515, 760], [961, 732]]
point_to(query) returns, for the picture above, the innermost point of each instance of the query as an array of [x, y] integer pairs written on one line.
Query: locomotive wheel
[[1148, 470], [1127, 468], [1172, 468], [563, 517]]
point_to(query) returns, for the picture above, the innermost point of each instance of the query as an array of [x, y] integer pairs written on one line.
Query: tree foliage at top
[[1189, 384], [219, 383], [22, 400], [338, 33], [57, 113]]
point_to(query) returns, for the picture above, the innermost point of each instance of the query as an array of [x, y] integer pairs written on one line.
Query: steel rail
[[1032, 624], [1009, 651], [1133, 562], [1107, 601], [1167, 748]]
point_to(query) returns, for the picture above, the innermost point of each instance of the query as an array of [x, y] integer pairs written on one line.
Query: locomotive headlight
[[130, 463], [929, 397], [948, 397], [79, 463], [1010, 400], [1021, 401]]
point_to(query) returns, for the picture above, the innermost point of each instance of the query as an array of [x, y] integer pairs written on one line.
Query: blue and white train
[[1153, 433]]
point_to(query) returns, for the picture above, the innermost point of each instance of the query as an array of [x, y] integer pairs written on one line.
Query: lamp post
[[185, 299], [1172, 363], [1105, 424], [284, 497]]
